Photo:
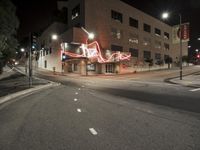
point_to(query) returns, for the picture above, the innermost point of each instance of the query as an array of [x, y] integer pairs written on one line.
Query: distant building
[[120, 30]]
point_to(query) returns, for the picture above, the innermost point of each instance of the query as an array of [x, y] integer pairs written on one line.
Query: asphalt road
[[103, 114]]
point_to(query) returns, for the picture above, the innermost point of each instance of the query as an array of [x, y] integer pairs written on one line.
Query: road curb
[[27, 91], [169, 80]]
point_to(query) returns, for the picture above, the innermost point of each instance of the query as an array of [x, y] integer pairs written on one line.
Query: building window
[[134, 52], [133, 22], [158, 44], [50, 50], [146, 41], [75, 12], [147, 28], [166, 35], [91, 67], [157, 32], [116, 48], [116, 16], [157, 56], [166, 46], [133, 38], [147, 54], [47, 51], [45, 64], [41, 53], [109, 68], [116, 33]]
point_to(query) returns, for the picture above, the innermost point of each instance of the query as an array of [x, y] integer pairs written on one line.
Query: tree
[[9, 24]]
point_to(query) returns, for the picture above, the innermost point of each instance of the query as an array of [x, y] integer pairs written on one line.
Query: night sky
[[35, 15]]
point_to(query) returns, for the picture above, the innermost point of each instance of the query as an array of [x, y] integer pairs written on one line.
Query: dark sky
[[36, 14]]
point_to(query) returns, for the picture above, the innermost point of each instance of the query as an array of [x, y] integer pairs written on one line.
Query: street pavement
[[132, 112]]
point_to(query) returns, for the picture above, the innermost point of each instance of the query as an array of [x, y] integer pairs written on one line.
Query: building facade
[[119, 29]]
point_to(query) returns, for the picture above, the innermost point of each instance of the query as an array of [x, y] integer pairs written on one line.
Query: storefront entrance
[[110, 68]]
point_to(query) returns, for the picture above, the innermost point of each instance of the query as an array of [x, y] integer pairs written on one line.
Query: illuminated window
[[133, 22], [116, 16], [116, 33], [76, 12], [166, 35], [133, 38], [158, 44], [147, 28], [146, 41], [147, 54], [166, 46], [157, 32], [134, 52], [91, 67]]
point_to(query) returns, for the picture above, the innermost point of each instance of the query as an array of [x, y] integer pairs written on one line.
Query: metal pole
[[181, 67], [30, 62]]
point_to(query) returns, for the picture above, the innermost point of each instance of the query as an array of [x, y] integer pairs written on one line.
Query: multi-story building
[[119, 29]]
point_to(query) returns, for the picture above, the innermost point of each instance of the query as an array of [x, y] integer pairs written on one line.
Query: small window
[[147, 54], [166, 46], [116, 48], [157, 32], [116, 16], [133, 38], [91, 67], [146, 41], [133, 22], [157, 56], [75, 12], [158, 44], [116, 33], [134, 52], [50, 50], [43, 52], [166, 35], [147, 28]]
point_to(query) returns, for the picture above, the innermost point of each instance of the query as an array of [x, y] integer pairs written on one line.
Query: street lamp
[[197, 50], [22, 50], [90, 36], [165, 15], [54, 37], [198, 39]]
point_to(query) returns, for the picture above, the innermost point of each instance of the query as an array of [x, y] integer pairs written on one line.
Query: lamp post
[[165, 15], [90, 37]]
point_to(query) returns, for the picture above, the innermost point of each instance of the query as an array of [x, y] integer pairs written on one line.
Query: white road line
[[76, 93], [75, 99], [78, 110], [93, 131], [83, 86], [79, 89], [194, 90]]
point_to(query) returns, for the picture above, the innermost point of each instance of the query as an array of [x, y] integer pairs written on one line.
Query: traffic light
[[33, 41]]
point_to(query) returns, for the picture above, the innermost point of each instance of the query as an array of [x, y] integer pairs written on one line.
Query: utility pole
[[30, 62], [181, 66]]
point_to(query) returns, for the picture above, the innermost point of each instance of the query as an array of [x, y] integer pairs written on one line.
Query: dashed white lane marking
[[83, 86], [194, 90], [79, 110], [93, 131], [75, 99], [79, 89], [76, 93]]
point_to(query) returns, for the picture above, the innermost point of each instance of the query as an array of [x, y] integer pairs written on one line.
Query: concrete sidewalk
[[192, 80]]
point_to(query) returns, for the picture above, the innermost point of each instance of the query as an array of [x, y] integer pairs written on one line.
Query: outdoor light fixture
[[22, 50], [91, 36], [54, 37], [198, 39], [196, 50], [165, 15], [189, 46]]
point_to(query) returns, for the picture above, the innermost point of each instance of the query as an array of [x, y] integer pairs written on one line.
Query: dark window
[[157, 31], [116, 48], [147, 28], [45, 64], [50, 50], [116, 16], [166, 35], [75, 67], [157, 56], [133, 22], [75, 11], [134, 52], [166, 46], [147, 54], [43, 52]]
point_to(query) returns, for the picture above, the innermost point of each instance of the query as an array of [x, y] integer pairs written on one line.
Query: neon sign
[[93, 51]]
